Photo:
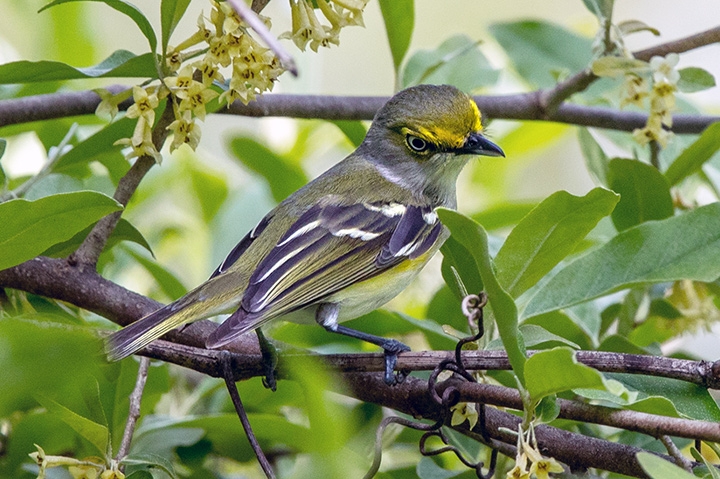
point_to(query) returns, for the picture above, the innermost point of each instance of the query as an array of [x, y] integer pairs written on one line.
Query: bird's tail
[[139, 334]]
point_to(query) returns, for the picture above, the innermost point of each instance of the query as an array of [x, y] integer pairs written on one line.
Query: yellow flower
[[182, 82], [520, 470], [85, 471], [141, 142], [113, 473], [185, 131], [461, 412], [636, 90], [544, 467], [45, 462], [195, 98], [144, 106], [342, 16], [202, 34], [108, 106], [174, 59], [219, 51]]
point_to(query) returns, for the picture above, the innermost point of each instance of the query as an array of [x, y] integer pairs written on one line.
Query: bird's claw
[[392, 348]]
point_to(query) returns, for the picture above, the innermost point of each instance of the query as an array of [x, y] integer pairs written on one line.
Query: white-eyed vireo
[[348, 241]]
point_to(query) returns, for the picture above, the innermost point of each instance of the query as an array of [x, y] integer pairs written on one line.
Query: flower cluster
[[656, 81], [527, 451], [307, 28], [662, 100], [222, 42]]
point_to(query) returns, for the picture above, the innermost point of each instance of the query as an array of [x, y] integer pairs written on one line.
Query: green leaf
[[171, 11], [168, 282], [562, 325], [557, 370], [595, 158], [399, 17], [31, 227], [457, 61], [355, 131], [283, 176], [548, 234], [123, 7], [95, 433], [681, 247], [644, 193], [633, 26], [692, 159], [124, 231], [427, 469], [96, 146], [455, 264], [536, 48], [120, 64], [473, 237], [150, 460], [211, 190], [694, 79], [659, 468]]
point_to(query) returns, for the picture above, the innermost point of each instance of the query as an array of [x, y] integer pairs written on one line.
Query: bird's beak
[[476, 144]]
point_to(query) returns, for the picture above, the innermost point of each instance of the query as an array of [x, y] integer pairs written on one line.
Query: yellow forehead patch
[[477, 122]]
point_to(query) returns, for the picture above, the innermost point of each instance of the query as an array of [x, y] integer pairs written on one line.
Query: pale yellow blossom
[[464, 411], [664, 68], [144, 106], [185, 131]]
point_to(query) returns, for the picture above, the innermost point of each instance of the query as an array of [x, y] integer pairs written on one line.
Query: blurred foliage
[[596, 271]]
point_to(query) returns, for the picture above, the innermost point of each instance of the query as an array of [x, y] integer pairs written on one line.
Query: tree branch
[[134, 410]]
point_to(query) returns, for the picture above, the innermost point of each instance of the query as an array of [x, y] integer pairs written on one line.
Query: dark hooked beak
[[476, 144]]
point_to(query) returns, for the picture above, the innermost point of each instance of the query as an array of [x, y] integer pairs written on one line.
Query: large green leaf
[[31, 227], [681, 247], [695, 155], [473, 237], [120, 64], [283, 176], [97, 434], [399, 16], [548, 234], [171, 11], [457, 61], [538, 48], [659, 468], [557, 370], [123, 7], [644, 193]]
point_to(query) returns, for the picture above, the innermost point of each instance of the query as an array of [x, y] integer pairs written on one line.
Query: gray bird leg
[[326, 316], [269, 360]]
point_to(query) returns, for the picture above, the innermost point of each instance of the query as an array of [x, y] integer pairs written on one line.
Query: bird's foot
[[269, 362], [392, 348]]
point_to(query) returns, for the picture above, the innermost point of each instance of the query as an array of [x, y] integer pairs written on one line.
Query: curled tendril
[[472, 307]]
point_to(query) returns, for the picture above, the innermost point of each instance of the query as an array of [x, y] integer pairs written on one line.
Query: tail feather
[[139, 334]]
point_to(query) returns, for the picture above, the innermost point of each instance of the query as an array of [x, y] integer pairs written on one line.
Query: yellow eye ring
[[417, 144]]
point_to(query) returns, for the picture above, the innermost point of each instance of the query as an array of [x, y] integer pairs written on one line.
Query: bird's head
[[424, 135]]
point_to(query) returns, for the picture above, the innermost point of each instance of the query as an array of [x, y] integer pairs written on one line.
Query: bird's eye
[[417, 144]]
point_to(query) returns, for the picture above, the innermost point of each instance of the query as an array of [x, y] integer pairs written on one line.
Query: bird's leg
[[269, 360], [326, 316]]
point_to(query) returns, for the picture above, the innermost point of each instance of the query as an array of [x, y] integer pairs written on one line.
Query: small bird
[[347, 242]]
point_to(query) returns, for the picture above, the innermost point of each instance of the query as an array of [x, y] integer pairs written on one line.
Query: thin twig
[[254, 21], [551, 99], [226, 361], [134, 410], [675, 453]]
